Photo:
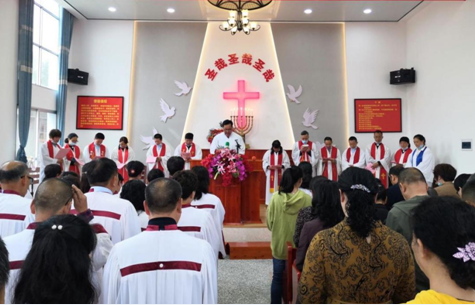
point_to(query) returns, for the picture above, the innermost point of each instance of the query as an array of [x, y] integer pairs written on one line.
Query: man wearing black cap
[[188, 150], [74, 159], [96, 150]]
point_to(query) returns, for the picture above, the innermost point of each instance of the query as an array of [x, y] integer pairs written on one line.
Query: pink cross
[[241, 96]]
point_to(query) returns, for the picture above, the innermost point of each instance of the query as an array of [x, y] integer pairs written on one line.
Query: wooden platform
[[249, 250]]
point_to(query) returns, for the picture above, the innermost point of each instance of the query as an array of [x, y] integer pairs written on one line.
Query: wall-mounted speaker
[[77, 77], [402, 76]]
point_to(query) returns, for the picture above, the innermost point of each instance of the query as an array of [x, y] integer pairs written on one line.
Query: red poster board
[[378, 114], [100, 112]]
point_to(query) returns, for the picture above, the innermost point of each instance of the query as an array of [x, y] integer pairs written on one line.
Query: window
[[46, 44]]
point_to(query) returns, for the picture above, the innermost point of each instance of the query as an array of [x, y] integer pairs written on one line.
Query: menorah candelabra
[[238, 126]]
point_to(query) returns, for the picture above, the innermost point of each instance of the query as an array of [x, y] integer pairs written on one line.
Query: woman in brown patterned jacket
[[359, 260]]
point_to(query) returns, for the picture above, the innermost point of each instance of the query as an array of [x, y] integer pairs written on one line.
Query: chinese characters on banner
[[378, 114], [234, 59], [95, 112]]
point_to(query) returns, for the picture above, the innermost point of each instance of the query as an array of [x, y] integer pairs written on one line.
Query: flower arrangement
[[228, 164], [213, 133]]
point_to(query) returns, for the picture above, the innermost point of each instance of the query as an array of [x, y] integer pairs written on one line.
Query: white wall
[[104, 49], [8, 76], [372, 51]]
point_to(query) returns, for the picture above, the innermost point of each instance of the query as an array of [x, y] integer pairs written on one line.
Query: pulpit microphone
[[237, 146]]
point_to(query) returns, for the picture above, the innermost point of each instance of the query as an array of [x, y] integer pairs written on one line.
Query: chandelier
[[238, 20]]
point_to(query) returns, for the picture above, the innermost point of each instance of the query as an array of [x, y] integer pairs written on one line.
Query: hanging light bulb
[[245, 14], [253, 26], [246, 30], [225, 26], [234, 30]]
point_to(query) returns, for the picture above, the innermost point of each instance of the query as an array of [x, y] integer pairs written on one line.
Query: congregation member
[[49, 201], [58, 268], [228, 138], [381, 200], [444, 175], [48, 152], [96, 150], [206, 201], [175, 164], [154, 174], [15, 212], [158, 155], [378, 156], [52, 171], [355, 261], [468, 193], [4, 269], [118, 216], [189, 150], [422, 159], [460, 181], [73, 158], [135, 169], [122, 156], [281, 219], [402, 154], [274, 162], [307, 177], [444, 248], [353, 156], [134, 191], [171, 267], [71, 178], [196, 222], [85, 186], [414, 190], [326, 212], [329, 165], [306, 151], [393, 193]]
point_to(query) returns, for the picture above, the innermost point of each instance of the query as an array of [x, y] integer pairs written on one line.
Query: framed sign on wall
[[378, 114], [100, 112]]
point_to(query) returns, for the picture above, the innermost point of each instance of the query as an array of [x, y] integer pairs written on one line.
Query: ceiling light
[[368, 11], [308, 11], [171, 10], [112, 9]]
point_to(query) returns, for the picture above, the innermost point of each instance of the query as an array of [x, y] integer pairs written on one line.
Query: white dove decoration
[[167, 111], [183, 87], [309, 118], [293, 95], [149, 141]]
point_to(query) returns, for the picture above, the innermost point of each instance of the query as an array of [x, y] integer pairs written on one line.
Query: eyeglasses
[[32, 180]]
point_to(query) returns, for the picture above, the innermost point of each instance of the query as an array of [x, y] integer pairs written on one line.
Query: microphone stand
[[237, 146]]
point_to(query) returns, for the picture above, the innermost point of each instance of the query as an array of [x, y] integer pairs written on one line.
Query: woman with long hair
[[359, 260], [134, 191], [307, 177]]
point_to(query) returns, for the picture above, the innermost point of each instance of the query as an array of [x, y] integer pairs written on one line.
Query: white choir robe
[[385, 160], [116, 215], [329, 164], [213, 205], [401, 158], [115, 155], [200, 224], [15, 214], [426, 166], [266, 162], [314, 158], [87, 157], [161, 267], [44, 158], [198, 153], [345, 163], [168, 154], [219, 141], [19, 246], [143, 220], [67, 163]]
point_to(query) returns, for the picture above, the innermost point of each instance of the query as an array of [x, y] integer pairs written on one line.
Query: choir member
[[122, 156], [135, 170], [73, 158], [52, 171], [306, 150], [353, 156], [161, 153], [274, 162], [189, 150], [175, 165], [402, 154], [15, 212], [134, 191], [228, 138], [96, 149], [171, 267], [48, 151], [154, 174], [422, 159], [330, 162], [378, 156]]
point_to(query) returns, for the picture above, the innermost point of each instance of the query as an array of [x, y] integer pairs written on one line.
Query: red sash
[[324, 152], [305, 156], [356, 159], [51, 151], [123, 158], [272, 172], [383, 174], [162, 153], [92, 151], [192, 150], [76, 153], [397, 156]]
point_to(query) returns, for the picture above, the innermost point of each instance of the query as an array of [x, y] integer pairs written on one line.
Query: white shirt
[[44, 158], [87, 157], [116, 215], [345, 163], [426, 166], [161, 267], [220, 141], [15, 214], [198, 153]]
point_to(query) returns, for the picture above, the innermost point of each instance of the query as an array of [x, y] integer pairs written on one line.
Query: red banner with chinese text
[[98, 112]]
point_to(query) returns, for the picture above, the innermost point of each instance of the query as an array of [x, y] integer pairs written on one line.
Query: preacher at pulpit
[[228, 136]]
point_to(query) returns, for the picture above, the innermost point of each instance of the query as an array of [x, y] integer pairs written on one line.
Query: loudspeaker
[[403, 76], [77, 77]]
